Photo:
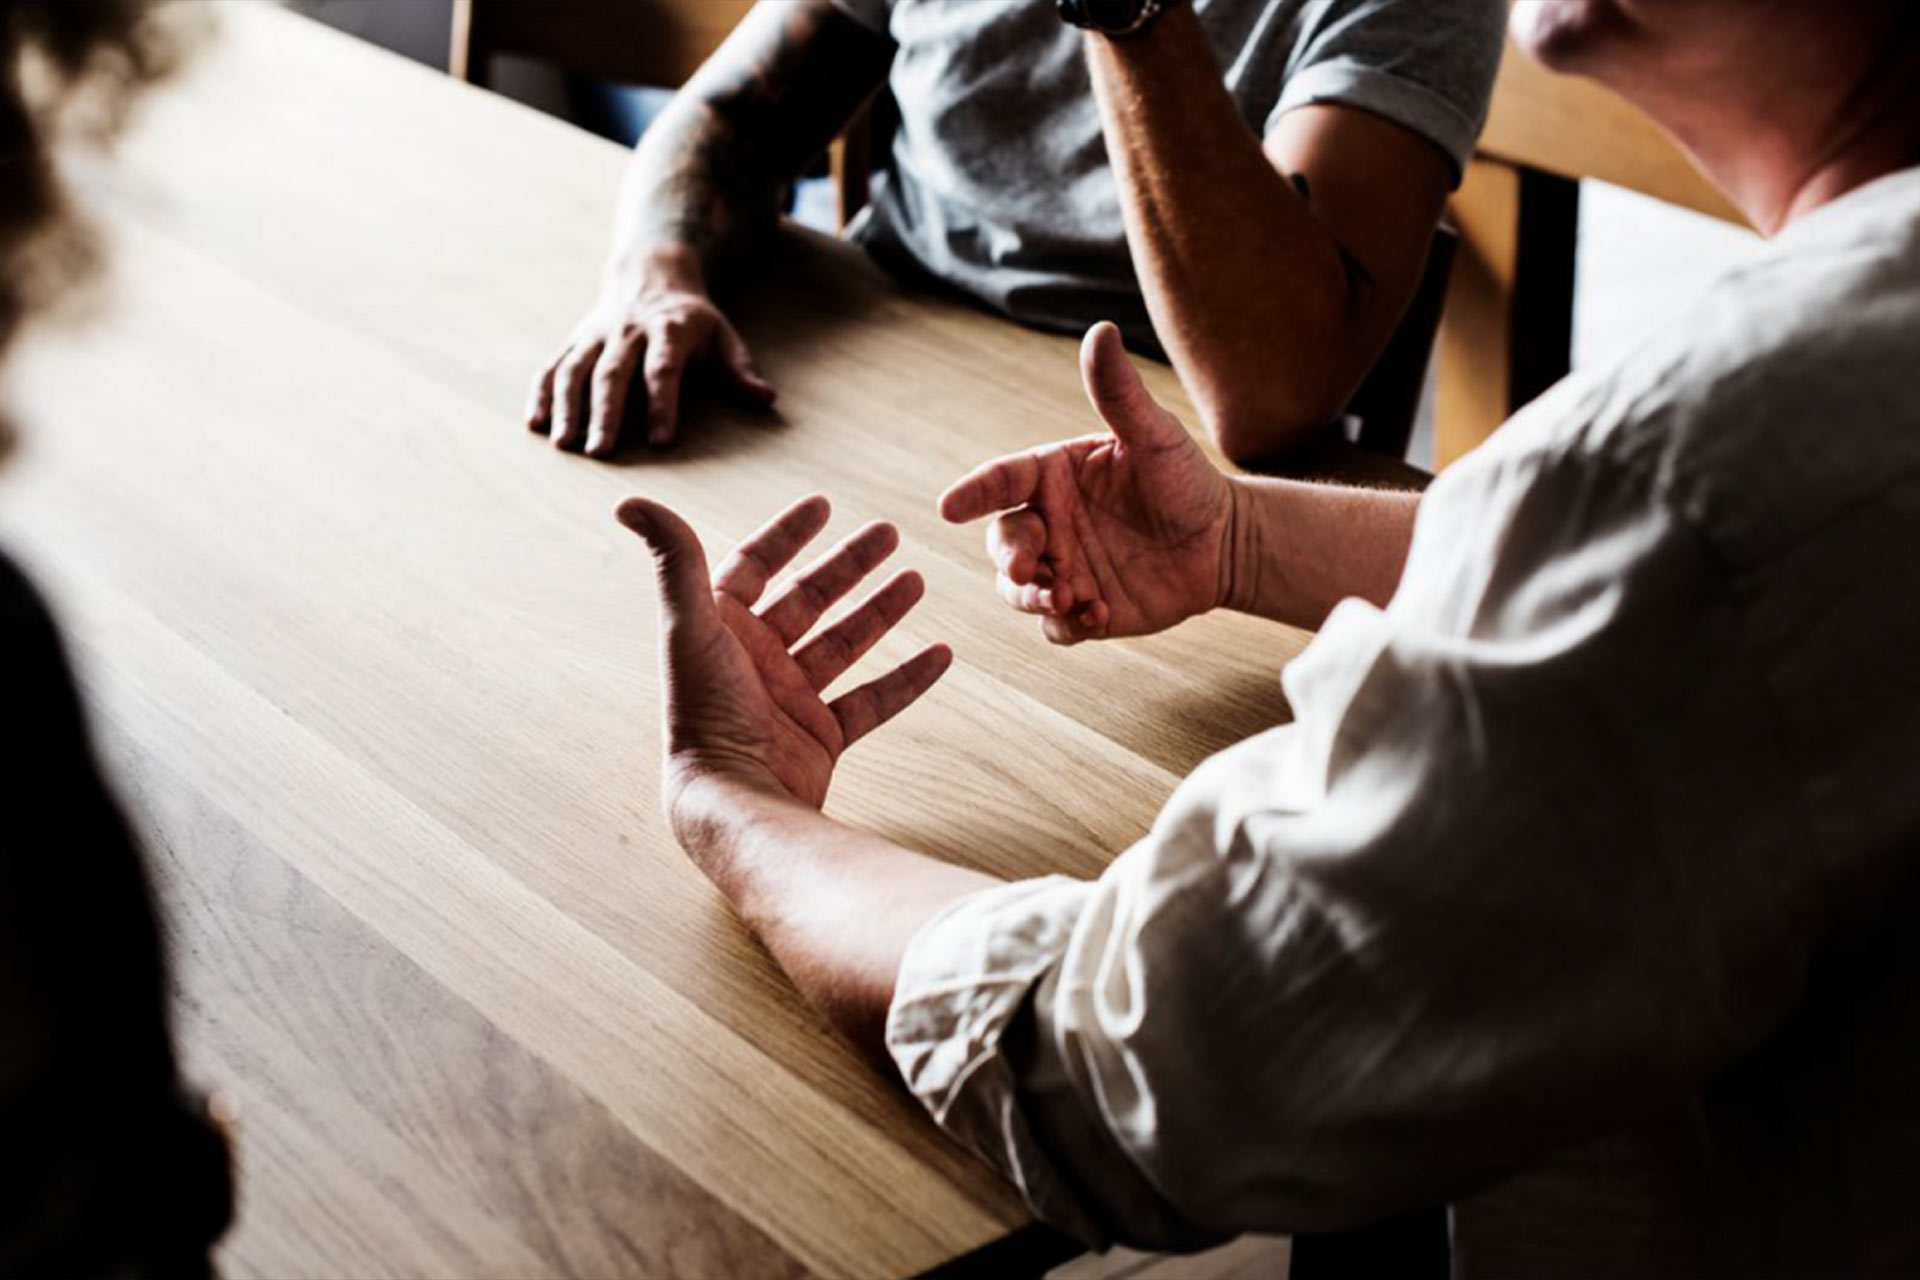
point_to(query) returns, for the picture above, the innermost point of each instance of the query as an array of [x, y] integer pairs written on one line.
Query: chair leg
[[1508, 332]]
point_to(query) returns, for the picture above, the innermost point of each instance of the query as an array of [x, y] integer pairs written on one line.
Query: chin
[[1560, 33]]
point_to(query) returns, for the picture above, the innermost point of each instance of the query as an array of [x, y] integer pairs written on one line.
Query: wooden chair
[[647, 42], [1508, 328], [1388, 402]]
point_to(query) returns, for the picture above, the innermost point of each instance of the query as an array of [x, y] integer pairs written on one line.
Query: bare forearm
[[1296, 549], [1247, 290], [707, 177], [692, 197], [836, 906]]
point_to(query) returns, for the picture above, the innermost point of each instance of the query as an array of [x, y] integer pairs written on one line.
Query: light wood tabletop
[[374, 669]]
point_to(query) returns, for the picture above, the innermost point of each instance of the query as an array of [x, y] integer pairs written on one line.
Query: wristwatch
[[1112, 17]]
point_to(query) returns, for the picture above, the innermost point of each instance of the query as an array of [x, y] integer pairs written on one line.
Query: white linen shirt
[[1607, 827]]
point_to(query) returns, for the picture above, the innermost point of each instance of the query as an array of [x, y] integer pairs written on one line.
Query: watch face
[[1112, 15]]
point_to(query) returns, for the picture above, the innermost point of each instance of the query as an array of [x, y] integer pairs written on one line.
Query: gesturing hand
[[659, 327], [1109, 535], [743, 695]]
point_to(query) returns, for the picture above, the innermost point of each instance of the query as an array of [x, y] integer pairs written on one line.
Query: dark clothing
[[104, 1164]]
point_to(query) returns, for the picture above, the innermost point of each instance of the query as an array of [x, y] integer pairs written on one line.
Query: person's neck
[[1778, 165]]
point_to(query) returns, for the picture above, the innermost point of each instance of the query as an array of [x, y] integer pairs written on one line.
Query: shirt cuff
[[965, 977], [1405, 102]]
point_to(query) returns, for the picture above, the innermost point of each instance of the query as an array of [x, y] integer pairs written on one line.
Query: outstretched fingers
[[680, 564], [866, 708], [754, 563], [994, 486], [827, 656], [801, 602]]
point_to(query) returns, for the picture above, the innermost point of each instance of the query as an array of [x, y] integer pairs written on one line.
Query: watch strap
[[1089, 16]]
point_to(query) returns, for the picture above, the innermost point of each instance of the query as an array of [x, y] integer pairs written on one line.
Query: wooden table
[[375, 669]]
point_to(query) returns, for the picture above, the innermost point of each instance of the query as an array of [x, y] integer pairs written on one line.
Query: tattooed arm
[[704, 181]]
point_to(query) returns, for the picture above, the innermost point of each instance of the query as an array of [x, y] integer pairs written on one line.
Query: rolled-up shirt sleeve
[[1528, 861], [1428, 67]]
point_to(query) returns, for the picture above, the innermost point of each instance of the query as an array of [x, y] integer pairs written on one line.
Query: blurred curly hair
[[66, 67]]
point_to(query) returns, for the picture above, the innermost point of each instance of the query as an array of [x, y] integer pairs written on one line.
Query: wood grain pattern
[[375, 669]]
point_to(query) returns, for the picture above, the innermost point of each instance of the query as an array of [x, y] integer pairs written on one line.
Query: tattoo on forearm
[[1357, 273], [756, 114]]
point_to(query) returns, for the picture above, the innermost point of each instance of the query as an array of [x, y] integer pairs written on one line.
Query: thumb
[[1119, 396], [686, 591]]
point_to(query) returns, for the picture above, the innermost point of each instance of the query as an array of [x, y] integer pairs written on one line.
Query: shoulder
[[1786, 397], [1427, 65]]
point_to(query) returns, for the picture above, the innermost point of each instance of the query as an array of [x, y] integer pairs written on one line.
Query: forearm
[[1249, 292], [836, 906], [692, 199], [1296, 549], [707, 177]]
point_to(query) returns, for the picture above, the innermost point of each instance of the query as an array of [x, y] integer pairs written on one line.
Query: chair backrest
[[652, 42], [648, 42], [1388, 401]]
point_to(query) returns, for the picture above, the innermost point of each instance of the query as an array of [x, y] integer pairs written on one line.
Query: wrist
[[1237, 583], [706, 801], [728, 819], [668, 267]]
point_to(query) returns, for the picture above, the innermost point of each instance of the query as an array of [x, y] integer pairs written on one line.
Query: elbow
[[1262, 404], [1252, 429]]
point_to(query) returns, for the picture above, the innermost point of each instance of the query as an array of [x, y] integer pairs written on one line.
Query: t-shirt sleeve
[[1427, 65], [1527, 860], [874, 15]]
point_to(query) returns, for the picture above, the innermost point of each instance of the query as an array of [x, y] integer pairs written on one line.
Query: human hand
[[1109, 535], [743, 694], [660, 328]]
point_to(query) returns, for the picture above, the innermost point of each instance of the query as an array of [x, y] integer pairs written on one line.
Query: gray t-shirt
[[1000, 183]]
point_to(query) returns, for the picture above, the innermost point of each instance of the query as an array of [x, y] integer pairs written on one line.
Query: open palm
[[1119, 534], [744, 695]]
